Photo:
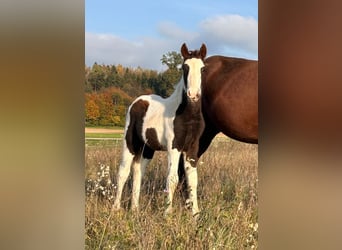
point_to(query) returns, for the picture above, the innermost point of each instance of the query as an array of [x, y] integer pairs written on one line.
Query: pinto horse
[[229, 102], [174, 124]]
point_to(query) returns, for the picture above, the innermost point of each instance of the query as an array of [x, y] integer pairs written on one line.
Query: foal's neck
[[179, 100], [176, 97]]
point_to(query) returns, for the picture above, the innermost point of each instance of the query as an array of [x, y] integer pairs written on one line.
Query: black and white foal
[[174, 124]]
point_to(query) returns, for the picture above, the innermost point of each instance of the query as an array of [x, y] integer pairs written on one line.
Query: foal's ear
[[184, 51], [203, 51]]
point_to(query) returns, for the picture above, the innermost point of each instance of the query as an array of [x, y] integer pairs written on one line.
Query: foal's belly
[[158, 137]]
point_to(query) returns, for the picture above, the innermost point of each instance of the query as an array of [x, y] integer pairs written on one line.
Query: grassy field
[[227, 193], [103, 135]]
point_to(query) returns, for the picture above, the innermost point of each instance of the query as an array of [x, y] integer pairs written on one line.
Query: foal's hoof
[[135, 209], [195, 215], [116, 207], [168, 212], [188, 204]]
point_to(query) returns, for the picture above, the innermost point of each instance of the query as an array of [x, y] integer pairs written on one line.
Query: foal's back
[[152, 117]]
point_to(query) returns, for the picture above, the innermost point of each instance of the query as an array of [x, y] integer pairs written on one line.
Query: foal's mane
[[194, 54]]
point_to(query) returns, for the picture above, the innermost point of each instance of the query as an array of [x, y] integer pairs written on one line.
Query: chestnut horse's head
[[193, 65]]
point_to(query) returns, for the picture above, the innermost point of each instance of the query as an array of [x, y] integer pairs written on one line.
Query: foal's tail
[[182, 179], [131, 135]]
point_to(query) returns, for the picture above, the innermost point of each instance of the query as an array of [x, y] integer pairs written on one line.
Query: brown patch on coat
[[133, 135], [152, 140]]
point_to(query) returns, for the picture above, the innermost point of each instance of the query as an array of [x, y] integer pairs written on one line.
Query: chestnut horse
[[229, 102]]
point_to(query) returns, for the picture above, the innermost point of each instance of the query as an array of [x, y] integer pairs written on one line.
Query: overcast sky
[[137, 33]]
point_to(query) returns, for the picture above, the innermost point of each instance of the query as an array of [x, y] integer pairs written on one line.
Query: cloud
[[172, 31], [230, 35], [231, 32], [145, 52], [111, 49]]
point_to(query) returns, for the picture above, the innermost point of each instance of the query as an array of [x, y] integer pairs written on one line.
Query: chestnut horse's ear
[[203, 51], [184, 51]]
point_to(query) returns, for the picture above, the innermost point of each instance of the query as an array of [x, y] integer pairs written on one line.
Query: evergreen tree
[[96, 77]]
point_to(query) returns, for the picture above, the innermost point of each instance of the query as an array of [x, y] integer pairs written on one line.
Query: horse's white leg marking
[[191, 175], [124, 170], [172, 178], [138, 173]]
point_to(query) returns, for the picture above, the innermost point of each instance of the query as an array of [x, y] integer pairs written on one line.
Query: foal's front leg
[[192, 179], [172, 178]]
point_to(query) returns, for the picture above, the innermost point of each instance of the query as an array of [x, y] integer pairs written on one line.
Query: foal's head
[[192, 71]]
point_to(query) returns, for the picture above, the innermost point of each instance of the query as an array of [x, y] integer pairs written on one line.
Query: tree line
[[109, 89]]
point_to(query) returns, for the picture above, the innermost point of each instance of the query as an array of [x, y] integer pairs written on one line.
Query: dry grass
[[227, 198]]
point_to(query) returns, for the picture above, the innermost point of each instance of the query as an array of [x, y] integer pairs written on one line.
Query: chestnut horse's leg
[[207, 136], [183, 184]]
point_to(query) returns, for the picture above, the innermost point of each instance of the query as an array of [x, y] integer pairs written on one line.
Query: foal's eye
[[185, 67], [202, 69]]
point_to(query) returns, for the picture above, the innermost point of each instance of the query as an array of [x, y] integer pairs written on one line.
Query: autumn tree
[[92, 110]]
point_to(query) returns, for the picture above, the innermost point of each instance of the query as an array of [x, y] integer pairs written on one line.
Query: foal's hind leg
[[138, 173], [123, 173]]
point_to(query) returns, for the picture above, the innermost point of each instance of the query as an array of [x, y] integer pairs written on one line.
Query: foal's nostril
[[192, 96]]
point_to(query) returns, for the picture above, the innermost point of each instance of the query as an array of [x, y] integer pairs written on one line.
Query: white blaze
[[194, 78]]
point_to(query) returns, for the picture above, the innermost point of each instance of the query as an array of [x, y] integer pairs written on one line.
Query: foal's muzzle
[[194, 96]]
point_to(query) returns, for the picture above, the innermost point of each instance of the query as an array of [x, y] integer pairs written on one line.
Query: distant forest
[[109, 89]]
